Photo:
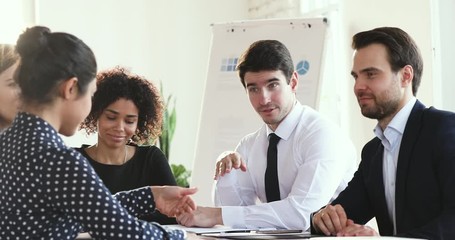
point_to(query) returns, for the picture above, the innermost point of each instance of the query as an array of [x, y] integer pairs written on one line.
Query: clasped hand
[[201, 217], [208, 216], [332, 220], [173, 200]]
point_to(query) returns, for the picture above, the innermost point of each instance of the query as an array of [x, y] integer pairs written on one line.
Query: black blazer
[[425, 180]]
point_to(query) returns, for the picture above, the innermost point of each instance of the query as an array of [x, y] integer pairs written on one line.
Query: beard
[[381, 110], [385, 105]]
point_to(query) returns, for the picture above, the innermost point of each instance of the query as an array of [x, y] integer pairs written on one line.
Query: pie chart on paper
[[302, 67]]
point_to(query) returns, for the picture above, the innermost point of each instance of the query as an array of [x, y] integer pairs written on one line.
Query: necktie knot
[[274, 139]]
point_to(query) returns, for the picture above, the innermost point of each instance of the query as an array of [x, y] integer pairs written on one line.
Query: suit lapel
[[378, 178], [381, 211], [410, 136]]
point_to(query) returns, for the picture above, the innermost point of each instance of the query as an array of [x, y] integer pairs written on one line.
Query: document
[[365, 238], [214, 229], [260, 234]]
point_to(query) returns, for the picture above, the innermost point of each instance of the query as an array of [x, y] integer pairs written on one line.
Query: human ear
[[294, 82], [407, 73], [69, 89]]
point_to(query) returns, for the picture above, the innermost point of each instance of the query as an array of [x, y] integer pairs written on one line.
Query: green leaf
[[181, 174], [172, 123], [169, 124]]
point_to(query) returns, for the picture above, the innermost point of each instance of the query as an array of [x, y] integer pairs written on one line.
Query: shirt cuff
[[233, 216], [137, 201]]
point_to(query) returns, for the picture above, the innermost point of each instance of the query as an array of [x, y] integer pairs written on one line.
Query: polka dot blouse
[[50, 191]]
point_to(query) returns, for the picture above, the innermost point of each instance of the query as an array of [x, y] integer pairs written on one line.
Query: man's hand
[[353, 229], [330, 220], [226, 161], [173, 200], [201, 217]]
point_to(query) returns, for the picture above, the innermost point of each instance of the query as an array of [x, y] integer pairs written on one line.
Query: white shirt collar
[[396, 126], [285, 128]]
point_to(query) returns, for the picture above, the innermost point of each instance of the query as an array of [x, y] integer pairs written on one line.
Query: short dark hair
[[119, 83], [401, 49], [266, 55], [48, 58]]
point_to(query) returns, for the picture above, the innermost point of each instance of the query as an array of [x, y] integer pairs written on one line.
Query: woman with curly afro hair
[[127, 110]]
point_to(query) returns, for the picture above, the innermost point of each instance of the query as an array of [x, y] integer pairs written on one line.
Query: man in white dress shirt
[[315, 160]]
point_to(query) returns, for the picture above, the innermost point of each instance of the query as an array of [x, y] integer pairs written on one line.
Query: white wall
[[446, 51], [15, 16], [353, 16], [164, 40], [169, 41], [409, 15]]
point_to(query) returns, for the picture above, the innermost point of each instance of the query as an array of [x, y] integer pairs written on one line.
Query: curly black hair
[[119, 83]]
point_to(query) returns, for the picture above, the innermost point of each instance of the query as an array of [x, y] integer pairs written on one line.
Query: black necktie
[[272, 189]]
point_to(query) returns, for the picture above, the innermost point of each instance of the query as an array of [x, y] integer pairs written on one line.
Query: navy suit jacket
[[425, 180]]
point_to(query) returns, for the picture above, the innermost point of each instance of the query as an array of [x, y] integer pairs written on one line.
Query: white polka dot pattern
[[50, 191]]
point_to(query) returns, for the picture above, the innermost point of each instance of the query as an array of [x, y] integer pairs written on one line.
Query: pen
[[226, 231], [279, 231], [237, 231]]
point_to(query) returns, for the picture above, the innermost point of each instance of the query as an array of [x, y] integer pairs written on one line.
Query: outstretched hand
[[173, 200], [227, 161]]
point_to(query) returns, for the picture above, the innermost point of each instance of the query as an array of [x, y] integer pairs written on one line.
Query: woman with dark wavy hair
[[127, 110]]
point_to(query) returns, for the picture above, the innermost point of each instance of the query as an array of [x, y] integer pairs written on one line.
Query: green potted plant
[[168, 126], [181, 174]]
